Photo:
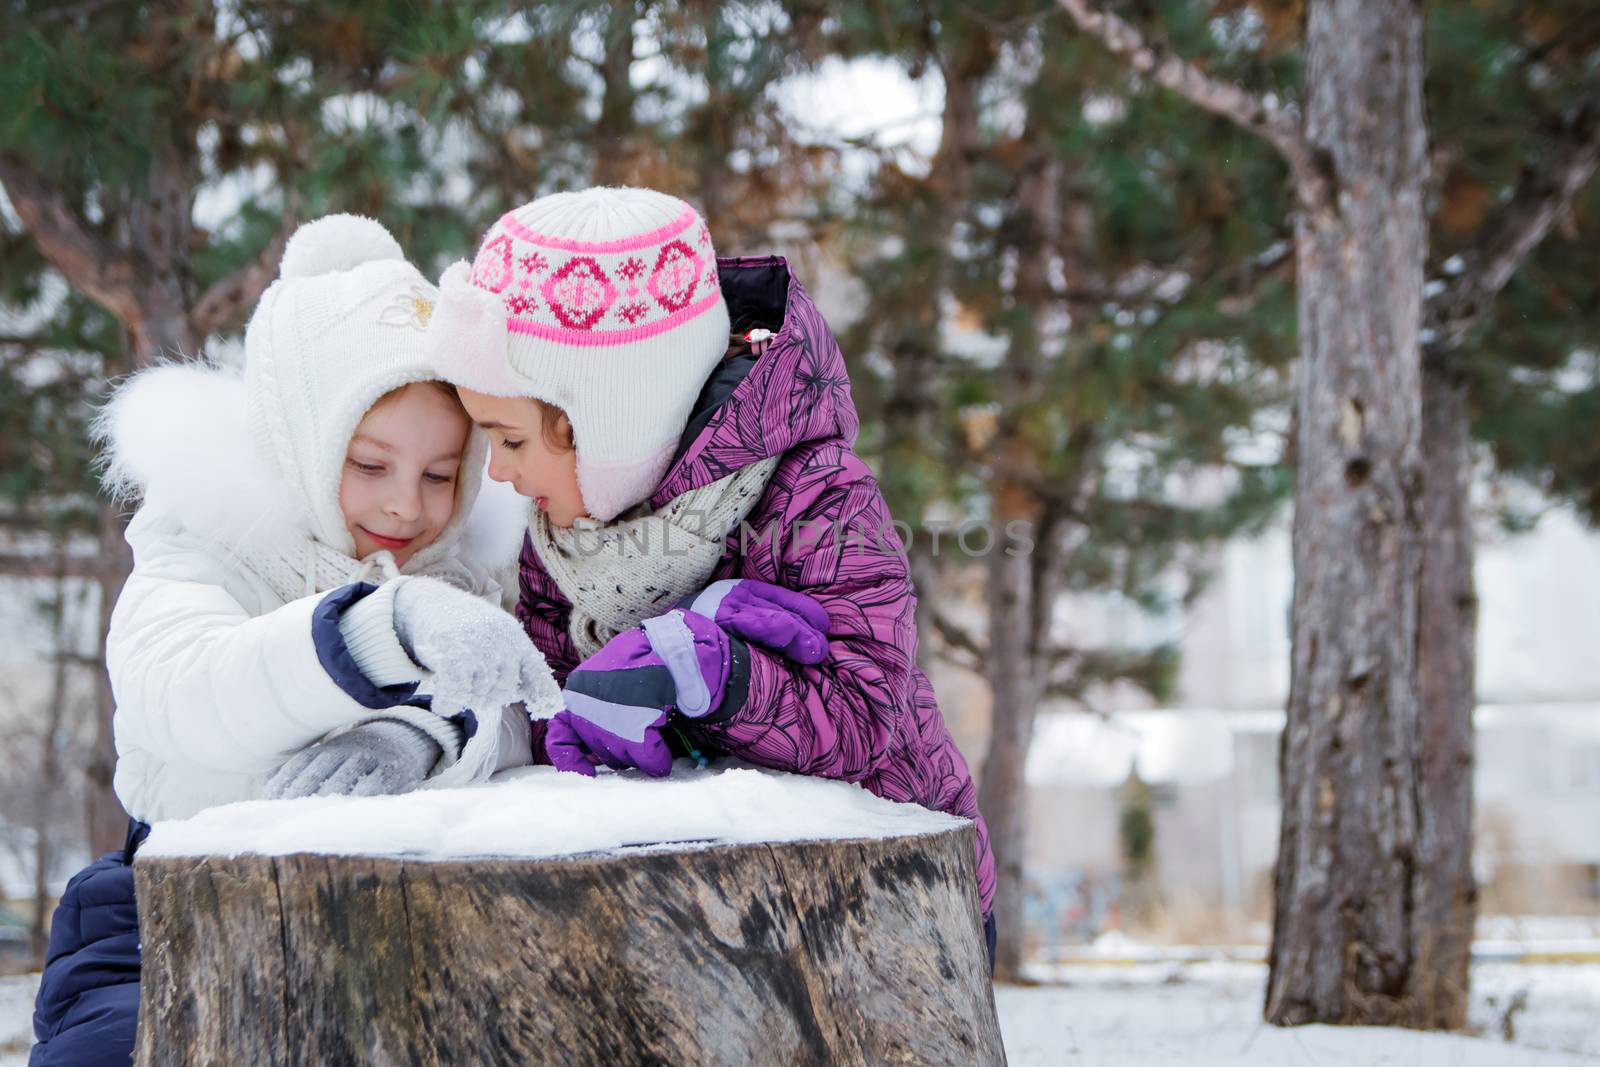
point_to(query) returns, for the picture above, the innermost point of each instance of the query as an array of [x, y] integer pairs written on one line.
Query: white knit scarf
[[297, 567], [618, 574]]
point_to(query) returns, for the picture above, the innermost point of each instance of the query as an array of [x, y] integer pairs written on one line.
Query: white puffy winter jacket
[[216, 676], [216, 679]]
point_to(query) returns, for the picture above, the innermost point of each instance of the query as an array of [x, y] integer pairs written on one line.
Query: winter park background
[[1065, 290]]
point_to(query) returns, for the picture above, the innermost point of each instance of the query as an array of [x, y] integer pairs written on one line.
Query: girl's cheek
[[442, 498], [351, 495]]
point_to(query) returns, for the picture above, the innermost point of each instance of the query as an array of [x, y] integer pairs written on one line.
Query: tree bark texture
[[1446, 904], [1349, 943], [1445, 908], [837, 952], [48, 783], [615, 131]]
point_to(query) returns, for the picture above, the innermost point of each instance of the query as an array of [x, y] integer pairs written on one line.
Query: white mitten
[[478, 656]]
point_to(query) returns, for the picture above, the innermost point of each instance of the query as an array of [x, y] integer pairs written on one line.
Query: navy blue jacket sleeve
[[335, 656]]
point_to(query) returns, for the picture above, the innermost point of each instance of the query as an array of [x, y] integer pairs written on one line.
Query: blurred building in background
[[1212, 757]]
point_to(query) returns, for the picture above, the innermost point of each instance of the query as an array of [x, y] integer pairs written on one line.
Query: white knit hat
[[604, 303], [344, 324]]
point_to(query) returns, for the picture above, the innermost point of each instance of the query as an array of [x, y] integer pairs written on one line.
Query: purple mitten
[[619, 698], [575, 744], [692, 661], [785, 621]]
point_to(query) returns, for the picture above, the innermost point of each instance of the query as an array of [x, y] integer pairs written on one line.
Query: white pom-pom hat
[[604, 303], [337, 243], [344, 324]]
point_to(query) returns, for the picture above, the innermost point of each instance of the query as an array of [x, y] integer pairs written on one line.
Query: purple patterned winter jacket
[[867, 714]]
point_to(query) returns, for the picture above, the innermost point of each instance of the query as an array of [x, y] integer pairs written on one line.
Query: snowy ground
[[1209, 1015], [16, 1019]]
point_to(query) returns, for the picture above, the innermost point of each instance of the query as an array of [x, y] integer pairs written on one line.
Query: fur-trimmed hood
[[176, 439]]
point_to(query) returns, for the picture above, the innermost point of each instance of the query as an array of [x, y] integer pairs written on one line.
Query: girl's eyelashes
[[510, 445], [375, 469]]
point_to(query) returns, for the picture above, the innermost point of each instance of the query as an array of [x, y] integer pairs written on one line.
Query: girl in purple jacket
[[710, 568]]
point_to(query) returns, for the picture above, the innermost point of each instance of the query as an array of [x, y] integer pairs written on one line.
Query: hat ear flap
[[467, 336]]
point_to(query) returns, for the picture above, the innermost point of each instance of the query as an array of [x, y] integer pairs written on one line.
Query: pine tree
[[1523, 358], [1376, 927], [1114, 383]]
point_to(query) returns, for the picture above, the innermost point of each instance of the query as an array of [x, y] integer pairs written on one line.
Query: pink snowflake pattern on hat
[[676, 276], [579, 294], [492, 269], [594, 291]]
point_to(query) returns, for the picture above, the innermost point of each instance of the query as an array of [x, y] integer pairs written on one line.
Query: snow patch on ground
[[1534, 939], [537, 811], [16, 1018], [1209, 1015]]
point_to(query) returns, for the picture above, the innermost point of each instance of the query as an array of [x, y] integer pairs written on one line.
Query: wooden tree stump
[[839, 952]]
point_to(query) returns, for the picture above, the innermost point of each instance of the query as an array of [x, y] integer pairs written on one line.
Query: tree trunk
[[915, 349], [1446, 893], [858, 952], [1345, 944], [1017, 600], [1002, 790], [614, 144], [48, 784], [107, 821]]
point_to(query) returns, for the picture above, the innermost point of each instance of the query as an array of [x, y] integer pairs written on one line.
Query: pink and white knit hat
[[604, 303]]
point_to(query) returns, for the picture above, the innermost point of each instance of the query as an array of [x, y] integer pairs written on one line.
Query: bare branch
[[1245, 109], [86, 260], [224, 304], [1002, 27], [1071, 695], [1147, 669], [1543, 192], [957, 658], [1059, 656], [956, 636]]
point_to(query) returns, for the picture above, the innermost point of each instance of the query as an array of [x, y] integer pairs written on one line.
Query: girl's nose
[[404, 503], [499, 469]]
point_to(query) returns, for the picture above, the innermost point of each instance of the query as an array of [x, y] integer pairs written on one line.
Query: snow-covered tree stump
[[822, 951]]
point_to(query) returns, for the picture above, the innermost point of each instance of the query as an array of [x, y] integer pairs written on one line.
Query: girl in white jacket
[[308, 554], [251, 653]]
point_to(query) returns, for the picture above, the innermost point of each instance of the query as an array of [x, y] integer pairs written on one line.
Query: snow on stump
[[731, 916]]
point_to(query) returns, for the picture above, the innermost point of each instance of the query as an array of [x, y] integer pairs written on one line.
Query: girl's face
[[401, 469], [520, 453]]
